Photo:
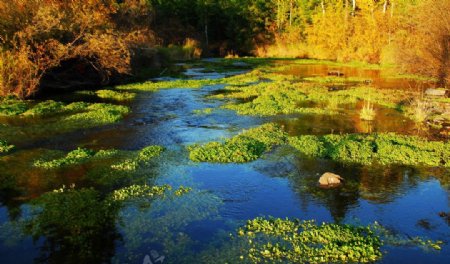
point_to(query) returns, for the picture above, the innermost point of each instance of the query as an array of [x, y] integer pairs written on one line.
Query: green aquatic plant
[[76, 106], [73, 220], [149, 152], [77, 156], [45, 108], [98, 114], [289, 96], [71, 117], [82, 155], [5, 147], [10, 106], [283, 240], [335, 79], [388, 148], [204, 111], [146, 191], [178, 83], [115, 95], [142, 157], [245, 147], [394, 239], [126, 165]]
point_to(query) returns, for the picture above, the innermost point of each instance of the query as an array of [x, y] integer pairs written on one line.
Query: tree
[[36, 37], [424, 40]]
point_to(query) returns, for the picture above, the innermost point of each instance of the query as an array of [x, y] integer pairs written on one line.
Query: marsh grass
[[367, 111], [419, 110]]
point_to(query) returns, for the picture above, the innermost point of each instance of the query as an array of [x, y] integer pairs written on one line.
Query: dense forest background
[[66, 43]]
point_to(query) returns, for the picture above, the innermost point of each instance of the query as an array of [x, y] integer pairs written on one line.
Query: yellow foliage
[[36, 36]]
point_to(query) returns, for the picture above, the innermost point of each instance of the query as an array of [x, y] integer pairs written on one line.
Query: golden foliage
[[36, 36]]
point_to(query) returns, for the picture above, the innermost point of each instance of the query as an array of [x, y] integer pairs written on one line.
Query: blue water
[[281, 184]]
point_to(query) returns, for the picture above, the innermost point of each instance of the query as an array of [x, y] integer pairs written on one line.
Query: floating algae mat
[[221, 166]]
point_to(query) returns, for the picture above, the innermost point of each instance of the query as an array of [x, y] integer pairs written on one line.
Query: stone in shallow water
[[436, 92], [330, 179]]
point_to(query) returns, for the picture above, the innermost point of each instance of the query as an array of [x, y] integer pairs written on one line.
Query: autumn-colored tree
[[37, 36], [424, 40]]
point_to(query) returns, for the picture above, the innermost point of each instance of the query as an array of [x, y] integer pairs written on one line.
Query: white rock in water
[[435, 92], [329, 178]]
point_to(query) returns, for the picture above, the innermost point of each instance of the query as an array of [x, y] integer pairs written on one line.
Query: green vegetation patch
[[45, 108], [10, 106], [245, 147], [86, 219], [55, 118], [142, 157], [289, 96], [146, 191], [154, 86], [82, 155], [98, 114], [295, 241], [5, 147], [336, 79], [114, 95], [81, 220], [388, 148], [74, 157]]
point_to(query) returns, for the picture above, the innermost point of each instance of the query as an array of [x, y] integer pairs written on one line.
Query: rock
[[330, 179], [435, 92], [335, 73]]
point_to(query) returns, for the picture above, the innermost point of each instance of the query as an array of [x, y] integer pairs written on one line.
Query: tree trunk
[[445, 61], [290, 12], [346, 9], [323, 7], [353, 7], [392, 8], [385, 6]]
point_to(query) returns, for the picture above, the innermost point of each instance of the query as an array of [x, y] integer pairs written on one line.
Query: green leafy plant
[[114, 95], [5, 147], [245, 147], [10, 106], [146, 191], [142, 157], [387, 148], [45, 108], [294, 241]]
